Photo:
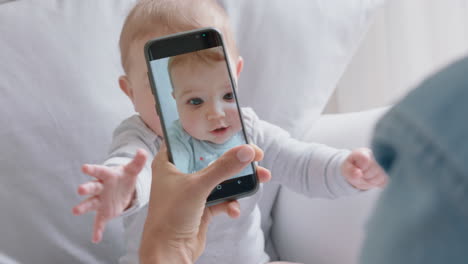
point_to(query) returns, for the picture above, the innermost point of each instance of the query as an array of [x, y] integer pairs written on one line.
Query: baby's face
[[143, 99], [205, 101]]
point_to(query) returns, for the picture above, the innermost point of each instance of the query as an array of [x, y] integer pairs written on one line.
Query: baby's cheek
[[190, 124], [234, 118]]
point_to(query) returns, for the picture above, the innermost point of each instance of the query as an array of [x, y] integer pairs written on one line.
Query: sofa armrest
[[345, 130], [319, 230]]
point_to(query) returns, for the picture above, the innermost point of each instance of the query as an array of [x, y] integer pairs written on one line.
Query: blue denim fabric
[[422, 143]]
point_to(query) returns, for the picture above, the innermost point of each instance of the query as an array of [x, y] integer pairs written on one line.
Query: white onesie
[[307, 168]]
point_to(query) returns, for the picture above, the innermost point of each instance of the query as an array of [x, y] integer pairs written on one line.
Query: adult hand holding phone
[[177, 221]]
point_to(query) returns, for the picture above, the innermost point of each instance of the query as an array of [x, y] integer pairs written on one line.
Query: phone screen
[[198, 108]]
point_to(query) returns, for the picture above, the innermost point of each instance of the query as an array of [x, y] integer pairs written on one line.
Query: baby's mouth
[[219, 130]]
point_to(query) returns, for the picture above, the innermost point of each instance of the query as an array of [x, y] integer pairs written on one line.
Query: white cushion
[[59, 103], [295, 53]]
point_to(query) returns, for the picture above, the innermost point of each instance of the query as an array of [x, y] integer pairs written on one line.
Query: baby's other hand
[[111, 193], [362, 171]]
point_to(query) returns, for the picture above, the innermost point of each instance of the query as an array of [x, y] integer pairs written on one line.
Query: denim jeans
[[422, 143]]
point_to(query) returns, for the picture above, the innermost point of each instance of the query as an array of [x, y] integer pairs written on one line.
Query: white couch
[[59, 102]]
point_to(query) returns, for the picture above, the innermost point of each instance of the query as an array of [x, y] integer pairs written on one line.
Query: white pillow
[[59, 103], [295, 53]]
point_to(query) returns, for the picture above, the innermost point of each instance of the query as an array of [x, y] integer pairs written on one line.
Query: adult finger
[[263, 174], [204, 223], [258, 152], [137, 163], [231, 208], [226, 166], [90, 188], [161, 160]]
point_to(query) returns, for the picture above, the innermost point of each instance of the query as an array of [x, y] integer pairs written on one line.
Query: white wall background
[[408, 41]]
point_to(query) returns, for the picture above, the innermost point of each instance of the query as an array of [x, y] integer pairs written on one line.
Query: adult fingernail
[[245, 154]]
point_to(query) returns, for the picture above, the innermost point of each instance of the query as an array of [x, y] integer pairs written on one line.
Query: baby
[[208, 123], [123, 182]]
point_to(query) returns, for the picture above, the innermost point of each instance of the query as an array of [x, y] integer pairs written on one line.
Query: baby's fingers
[[99, 226], [90, 188], [99, 172], [88, 205], [355, 177], [134, 167], [362, 158], [352, 172], [376, 177], [383, 184]]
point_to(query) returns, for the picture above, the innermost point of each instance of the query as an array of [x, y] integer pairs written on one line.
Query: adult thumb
[[227, 166]]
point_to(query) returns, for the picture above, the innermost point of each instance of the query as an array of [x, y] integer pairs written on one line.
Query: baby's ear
[[239, 66], [125, 86]]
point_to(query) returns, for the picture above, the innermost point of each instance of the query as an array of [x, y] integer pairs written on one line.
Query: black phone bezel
[[192, 41]]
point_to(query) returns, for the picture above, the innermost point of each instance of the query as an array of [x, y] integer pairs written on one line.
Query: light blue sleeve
[[181, 150]]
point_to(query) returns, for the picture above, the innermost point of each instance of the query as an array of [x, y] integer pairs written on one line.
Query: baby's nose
[[215, 112]]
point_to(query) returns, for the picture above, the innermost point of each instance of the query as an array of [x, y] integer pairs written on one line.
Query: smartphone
[[195, 92]]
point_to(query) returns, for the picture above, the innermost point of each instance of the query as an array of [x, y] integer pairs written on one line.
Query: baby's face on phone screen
[[205, 101]]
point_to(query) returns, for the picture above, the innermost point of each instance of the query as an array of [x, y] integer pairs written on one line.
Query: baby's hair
[[207, 56], [152, 18]]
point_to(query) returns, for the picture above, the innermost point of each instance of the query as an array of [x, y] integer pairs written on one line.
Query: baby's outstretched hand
[[362, 171], [111, 193]]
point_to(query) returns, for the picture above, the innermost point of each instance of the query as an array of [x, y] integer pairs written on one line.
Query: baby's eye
[[195, 101], [228, 96]]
